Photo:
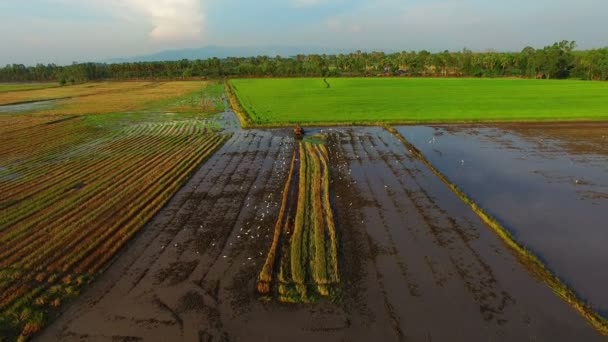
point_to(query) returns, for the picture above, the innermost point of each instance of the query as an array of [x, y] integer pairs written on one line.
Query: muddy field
[[416, 264], [546, 183]]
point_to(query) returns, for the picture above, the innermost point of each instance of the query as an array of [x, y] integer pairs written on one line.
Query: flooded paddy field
[[415, 262], [545, 183], [26, 107]]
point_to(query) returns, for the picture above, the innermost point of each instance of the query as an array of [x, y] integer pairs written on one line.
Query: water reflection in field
[[547, 184], [26, 107]]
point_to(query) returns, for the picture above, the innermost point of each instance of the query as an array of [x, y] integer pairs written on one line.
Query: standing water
[[546, 184], [26, 107]]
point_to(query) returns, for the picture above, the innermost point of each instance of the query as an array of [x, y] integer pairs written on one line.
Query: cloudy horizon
[[62, 31]]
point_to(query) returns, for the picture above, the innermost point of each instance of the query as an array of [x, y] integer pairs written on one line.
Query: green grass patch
[[272, 102]]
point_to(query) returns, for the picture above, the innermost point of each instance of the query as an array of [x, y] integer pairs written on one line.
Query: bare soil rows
[[415, 263]]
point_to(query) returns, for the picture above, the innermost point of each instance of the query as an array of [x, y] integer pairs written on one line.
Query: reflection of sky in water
[[531, 187], [26, 107]]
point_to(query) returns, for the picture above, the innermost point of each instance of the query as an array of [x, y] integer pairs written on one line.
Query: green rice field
[[271, 102]]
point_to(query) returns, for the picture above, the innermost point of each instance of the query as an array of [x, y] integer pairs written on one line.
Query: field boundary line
[[238, 108], [528, 259], [319, 124]]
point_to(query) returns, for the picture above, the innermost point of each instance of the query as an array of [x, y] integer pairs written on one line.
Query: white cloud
[[172, 20]]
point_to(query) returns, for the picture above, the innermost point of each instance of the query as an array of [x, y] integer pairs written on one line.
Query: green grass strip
[[237, 108]]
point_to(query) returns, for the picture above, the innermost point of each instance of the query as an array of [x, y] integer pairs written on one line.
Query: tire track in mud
[[406, 254], [250, 252], [160, 224], [246, 184], [394, 319], [180, 263], [213, 209], [483, 285], [171, 213], [357, 250], [421, 234], [177, 215], [187, 240], [390, 212], [413, 285], [259, 181], [439, 251]]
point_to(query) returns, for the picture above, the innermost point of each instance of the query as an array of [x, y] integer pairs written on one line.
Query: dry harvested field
[[10, 87], [415, 263], [75, 188], [25, 109], [14, 97]]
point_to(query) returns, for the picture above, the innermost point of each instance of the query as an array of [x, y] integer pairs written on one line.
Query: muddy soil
[[546, 183], [416, 264]]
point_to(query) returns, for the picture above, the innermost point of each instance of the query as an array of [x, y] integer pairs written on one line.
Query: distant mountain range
[[224, 52]]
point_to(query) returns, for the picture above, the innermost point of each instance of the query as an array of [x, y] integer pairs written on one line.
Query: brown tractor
[[298, 132]]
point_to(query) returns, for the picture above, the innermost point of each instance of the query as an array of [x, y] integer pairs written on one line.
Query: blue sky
[[62, 31]]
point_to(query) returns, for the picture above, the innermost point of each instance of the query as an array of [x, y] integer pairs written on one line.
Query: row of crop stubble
[[304, 246], [67, 209]]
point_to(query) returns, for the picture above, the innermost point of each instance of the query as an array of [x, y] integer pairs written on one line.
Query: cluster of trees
[[556, 61]]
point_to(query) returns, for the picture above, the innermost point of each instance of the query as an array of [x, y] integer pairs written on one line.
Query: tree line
[[557, 61]]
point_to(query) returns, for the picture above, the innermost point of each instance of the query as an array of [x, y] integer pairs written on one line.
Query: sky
[[64, 31]]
